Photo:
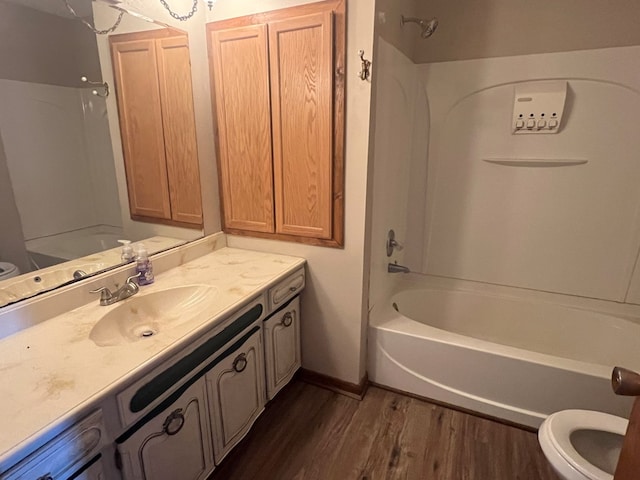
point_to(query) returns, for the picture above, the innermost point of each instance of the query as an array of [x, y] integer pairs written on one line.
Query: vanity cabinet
[[236, 394], [282, 346], [93, 471], [66, 455], [278, 83], [174, 444], [152, 72]]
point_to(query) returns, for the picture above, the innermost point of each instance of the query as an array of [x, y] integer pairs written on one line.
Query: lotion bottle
[[144, 268], [127, 252]]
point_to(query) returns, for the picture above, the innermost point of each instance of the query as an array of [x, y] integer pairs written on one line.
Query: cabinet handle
[[287, 320], [46, 476], [240, 363], [174, 422]]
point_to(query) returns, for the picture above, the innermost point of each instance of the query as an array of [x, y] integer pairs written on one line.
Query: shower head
[[427, 27]]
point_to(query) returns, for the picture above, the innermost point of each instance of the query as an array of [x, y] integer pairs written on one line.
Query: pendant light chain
[[182, 18], [91, 27]]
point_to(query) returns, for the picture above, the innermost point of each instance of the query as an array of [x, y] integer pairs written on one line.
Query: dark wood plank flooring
[[311, 433]]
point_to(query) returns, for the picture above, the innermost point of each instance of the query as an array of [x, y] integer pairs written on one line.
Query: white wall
[[495, 28], [334, 301]]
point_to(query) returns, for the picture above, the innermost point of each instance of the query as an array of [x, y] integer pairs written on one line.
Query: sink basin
[[145, 315]]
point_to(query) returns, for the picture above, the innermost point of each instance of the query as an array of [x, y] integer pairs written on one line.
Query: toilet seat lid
[[562, 424], [6, 269]]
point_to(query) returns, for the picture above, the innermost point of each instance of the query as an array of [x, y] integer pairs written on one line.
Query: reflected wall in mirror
[[63, 188]]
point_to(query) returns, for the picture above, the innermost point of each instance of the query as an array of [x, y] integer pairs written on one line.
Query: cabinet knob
[[293, 289], [287, 319], [174, 422], [240, 363]]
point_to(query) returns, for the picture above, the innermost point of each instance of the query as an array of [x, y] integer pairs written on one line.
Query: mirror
[[63, 191]]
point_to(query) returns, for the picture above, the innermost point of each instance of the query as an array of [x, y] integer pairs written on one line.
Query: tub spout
[[395, 268]]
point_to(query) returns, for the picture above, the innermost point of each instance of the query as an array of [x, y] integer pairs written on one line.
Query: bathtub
[[54, 249], [513, 359]]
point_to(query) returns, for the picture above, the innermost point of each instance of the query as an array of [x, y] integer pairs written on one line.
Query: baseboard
[[353, 390], [457, 408]]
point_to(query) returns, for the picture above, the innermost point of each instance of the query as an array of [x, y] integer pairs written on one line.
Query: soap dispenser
[[144, 268], [127, 251]]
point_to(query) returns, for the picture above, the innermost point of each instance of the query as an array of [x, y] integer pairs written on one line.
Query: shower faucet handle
[[625, 382]]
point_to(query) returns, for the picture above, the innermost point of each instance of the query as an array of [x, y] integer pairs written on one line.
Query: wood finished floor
[[310, 433]]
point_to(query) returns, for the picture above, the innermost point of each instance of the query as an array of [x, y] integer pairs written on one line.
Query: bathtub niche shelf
[[535, 162]]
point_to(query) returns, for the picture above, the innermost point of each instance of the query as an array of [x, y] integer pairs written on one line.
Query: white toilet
[[8, 270], [582, 444]]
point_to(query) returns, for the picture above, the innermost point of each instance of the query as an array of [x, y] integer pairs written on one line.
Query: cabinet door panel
[[135, 70], [241, 85], [236, 392], [301, 58], [282, 347], [174, 444], [176, 93]]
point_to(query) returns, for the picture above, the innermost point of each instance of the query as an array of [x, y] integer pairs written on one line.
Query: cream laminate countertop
[[53, 370]]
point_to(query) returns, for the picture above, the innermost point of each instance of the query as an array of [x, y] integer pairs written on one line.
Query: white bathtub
[[54, 249], [513, 359]]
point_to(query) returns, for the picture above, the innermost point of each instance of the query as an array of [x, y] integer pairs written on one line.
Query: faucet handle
[[105, 294], [133, 277]]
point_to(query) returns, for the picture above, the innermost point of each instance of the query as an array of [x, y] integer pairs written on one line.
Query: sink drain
[[144, 331]]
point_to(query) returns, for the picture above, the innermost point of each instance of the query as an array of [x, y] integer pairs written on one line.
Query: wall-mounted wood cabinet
[[155, 104], [278, 83]]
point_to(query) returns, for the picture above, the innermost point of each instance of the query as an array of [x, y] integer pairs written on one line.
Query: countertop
[[53, 370]]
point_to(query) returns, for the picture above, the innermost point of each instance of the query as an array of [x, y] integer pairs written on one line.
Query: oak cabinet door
[[157, 125], [240, 70], [301, 59], [282, 347], [236, 394], [174, 444], [176, 96], [136, 75]]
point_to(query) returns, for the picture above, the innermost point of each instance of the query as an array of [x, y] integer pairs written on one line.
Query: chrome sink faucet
[[129, 289]]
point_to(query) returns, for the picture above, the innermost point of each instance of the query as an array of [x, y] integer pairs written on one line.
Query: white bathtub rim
[[416, 281], [386, 318]]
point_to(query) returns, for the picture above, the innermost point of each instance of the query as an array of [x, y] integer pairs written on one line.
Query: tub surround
[[53, 373]]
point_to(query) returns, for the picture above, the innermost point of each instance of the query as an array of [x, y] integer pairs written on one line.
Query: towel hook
[[365, 73], [103, 85]]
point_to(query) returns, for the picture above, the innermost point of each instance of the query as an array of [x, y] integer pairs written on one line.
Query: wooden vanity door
[[175, 444], [236, 393], [282, 347]]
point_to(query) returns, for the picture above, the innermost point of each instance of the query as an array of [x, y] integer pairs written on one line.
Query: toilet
[[8, 270], [582, 444]]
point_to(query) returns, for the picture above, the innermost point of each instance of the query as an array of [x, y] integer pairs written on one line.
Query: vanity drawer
[[286, 289], [147, 393], [62, 456]]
